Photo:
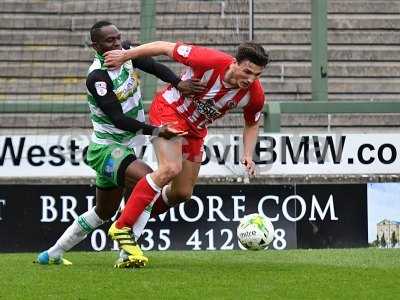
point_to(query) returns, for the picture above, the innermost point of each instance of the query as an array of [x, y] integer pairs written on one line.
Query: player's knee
[[170, 170], [105, 213], [183, 195], [108, 215]]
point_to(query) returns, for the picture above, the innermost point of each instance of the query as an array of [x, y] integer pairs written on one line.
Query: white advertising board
[[275, 154]]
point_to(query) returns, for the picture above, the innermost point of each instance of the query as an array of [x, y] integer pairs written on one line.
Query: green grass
[[294, 274]]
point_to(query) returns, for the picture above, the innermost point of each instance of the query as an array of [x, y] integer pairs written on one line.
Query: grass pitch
[[293, 274]]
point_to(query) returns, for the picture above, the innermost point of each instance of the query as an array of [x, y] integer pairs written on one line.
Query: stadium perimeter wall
[[304, 216]]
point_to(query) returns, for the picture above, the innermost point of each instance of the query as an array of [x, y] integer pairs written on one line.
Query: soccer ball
[[255, 232]]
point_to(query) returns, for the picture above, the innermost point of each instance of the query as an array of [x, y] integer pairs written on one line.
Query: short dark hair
[[254, 52], [94, 31]]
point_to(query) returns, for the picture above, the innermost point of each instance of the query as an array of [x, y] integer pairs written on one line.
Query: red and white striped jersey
[[210, 66]]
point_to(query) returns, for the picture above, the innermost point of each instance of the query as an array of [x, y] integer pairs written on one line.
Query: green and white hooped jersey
[[126, 87]]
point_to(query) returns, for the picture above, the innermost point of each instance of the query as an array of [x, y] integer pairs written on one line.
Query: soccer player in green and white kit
[[117, 115]]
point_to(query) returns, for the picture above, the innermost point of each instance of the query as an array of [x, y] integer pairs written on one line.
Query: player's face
[[246, 72], [109, 38]]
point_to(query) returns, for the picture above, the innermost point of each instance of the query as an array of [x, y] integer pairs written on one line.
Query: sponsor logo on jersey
[[109, 168], [127, 89], [208, 109], [231, 104], [184, 50], [101, 88], [128, 66], [117, 153]]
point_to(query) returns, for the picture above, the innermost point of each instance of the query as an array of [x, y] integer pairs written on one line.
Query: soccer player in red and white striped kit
[[231, 82]]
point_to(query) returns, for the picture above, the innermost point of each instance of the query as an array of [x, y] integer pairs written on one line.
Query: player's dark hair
[[94, 31], [254, 52]]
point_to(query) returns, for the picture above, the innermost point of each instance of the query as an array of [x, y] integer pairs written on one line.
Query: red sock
[[159, 206], [142, 195]]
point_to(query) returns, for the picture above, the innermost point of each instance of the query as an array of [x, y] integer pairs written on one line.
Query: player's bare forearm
[[150, 49], [115, 58], [250, 134]]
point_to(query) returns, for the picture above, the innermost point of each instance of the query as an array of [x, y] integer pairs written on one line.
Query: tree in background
[[383, 241], [393, 240], [377, 242]]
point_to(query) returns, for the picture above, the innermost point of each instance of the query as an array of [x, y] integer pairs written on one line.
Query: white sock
[[140, 224], [76, 232], [122, 254], [164, 195], [153, 185]]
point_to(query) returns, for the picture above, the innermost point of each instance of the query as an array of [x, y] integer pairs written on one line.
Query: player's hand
[[249, 165], [167, 131], [191, 87], [114, 58]]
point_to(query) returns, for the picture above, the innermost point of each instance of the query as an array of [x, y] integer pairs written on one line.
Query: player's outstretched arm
[[186, 87], [250, 134], [115, 58]]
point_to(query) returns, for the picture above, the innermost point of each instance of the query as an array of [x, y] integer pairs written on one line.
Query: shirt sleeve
[[195, 56], [253, 110], [100, 86]]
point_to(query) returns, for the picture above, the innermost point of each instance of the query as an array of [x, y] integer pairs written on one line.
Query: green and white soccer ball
[[255, 232]]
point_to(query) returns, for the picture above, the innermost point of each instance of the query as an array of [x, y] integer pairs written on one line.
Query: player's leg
[[138, 207], [180, 189], [147, 190], [182, 185], [169, 155], [131, 254], [108, 196], [99, 158], [134, 173], [107, 201]]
